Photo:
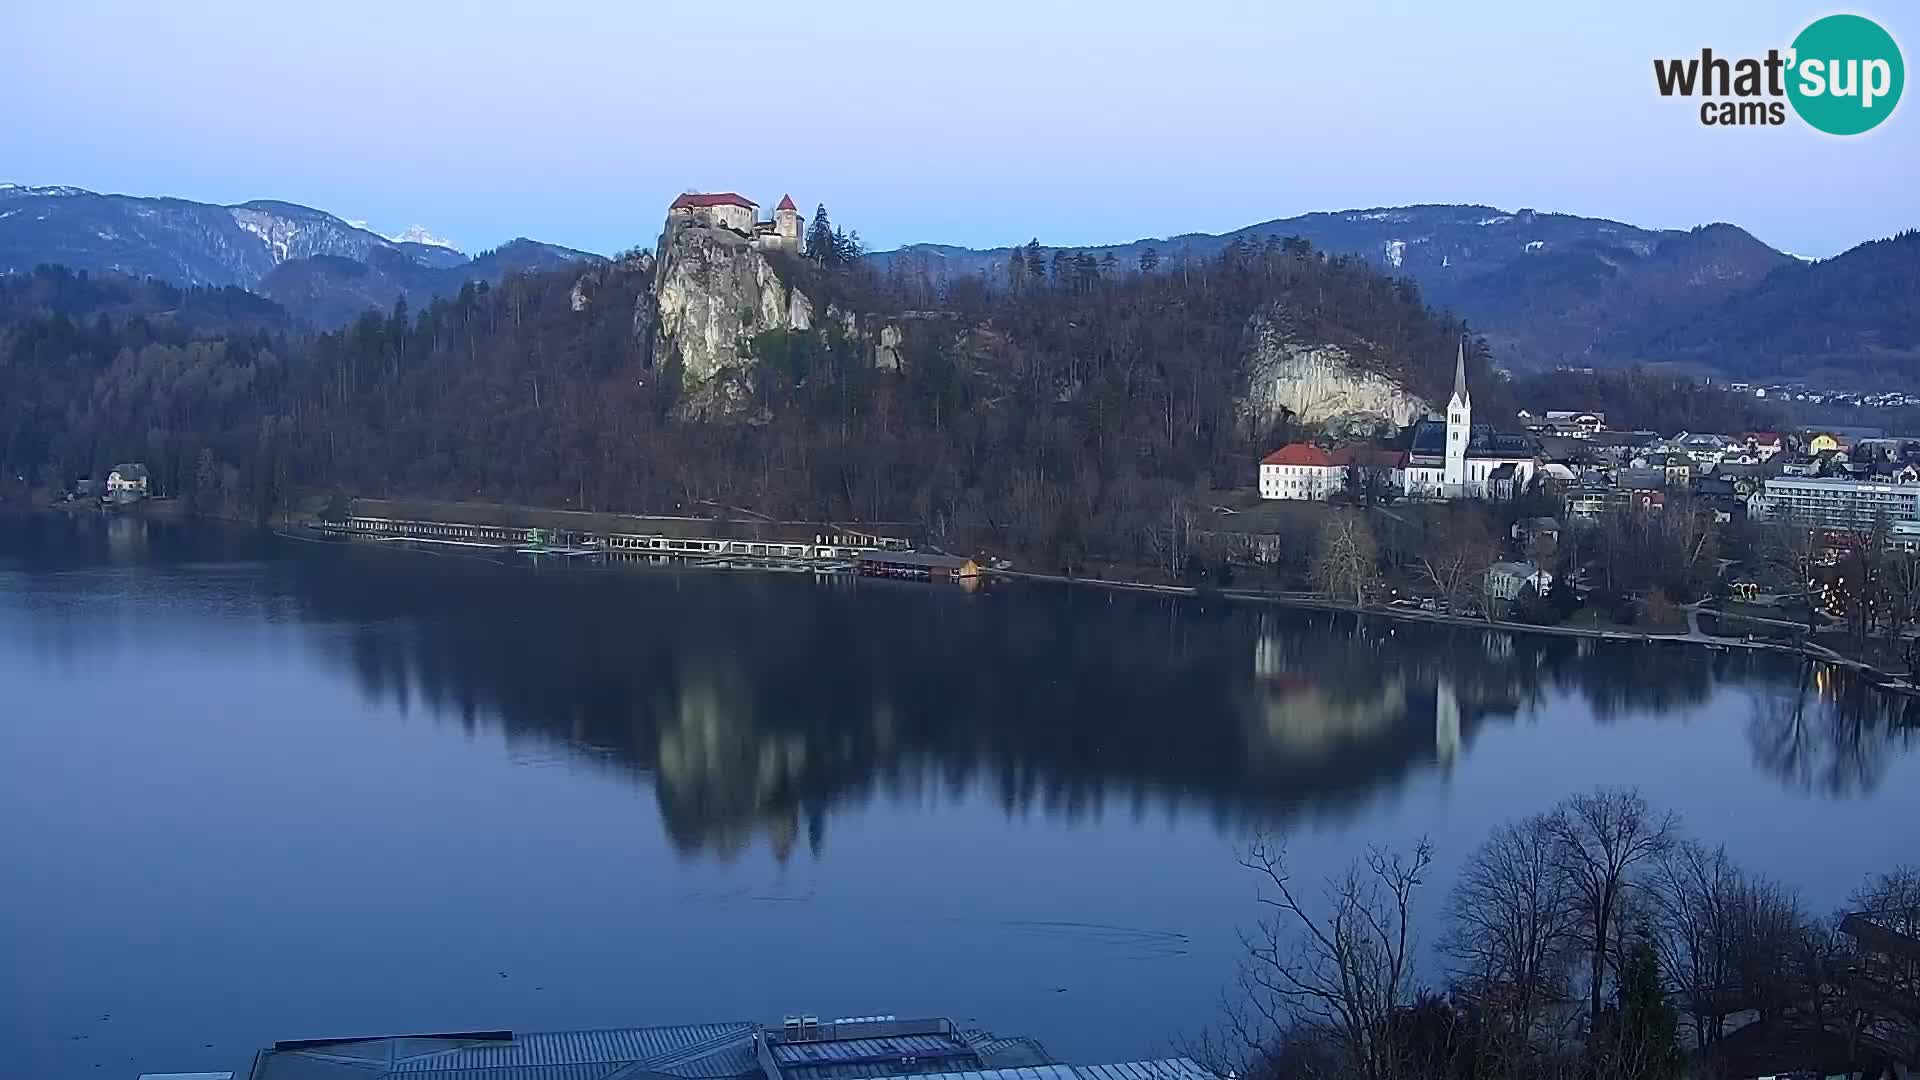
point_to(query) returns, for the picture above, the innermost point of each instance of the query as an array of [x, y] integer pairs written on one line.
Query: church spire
[[1460, 372]]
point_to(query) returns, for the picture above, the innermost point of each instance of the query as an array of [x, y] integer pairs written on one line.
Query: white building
[[1297, 471], [1506, 580], [1304, 471], [1834, 503], [1455, 460], [127, 482]]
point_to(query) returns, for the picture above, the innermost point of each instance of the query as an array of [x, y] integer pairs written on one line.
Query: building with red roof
[[1304, 471], [729, 210]]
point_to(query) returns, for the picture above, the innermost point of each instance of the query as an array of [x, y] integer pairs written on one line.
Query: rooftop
[[1430, 439], [1298, 454], [927, 559], [694, 199], [688, 1051], [871, 1047]]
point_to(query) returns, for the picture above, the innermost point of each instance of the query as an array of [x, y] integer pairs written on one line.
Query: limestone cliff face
[[1318, 383], [713, 291]]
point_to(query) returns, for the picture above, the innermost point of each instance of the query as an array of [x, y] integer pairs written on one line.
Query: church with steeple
[[1454, 459]]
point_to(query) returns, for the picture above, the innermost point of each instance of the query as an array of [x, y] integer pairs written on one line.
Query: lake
[[253, 788]]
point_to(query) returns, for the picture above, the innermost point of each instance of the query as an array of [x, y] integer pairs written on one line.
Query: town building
[[1834, 504], [1506, 580], [1304, 471], [127, 483], [1762, 444], [1453, 459], [1296, 471], [1564, 423], [727, 210]]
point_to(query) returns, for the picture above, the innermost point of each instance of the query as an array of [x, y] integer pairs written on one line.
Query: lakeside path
[[1694, 635]]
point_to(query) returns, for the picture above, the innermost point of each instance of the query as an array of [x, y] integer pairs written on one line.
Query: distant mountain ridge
[[1544, 288], [322, 268]]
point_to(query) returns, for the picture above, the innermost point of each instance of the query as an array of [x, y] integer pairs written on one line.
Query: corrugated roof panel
[[647, 1046], [857, 1049], [1161, 1069], [599, 1070]]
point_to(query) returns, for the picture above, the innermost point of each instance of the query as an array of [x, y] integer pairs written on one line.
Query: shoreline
[[1890, 681]]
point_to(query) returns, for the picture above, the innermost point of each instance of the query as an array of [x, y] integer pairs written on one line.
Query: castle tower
[[1453, 477], [786, 223]]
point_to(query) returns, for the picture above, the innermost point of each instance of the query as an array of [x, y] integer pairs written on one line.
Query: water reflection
[[756, 706], [1828, 734]]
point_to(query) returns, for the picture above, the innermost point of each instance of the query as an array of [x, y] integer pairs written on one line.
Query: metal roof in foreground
[[1163, 1069], [688, 1051]]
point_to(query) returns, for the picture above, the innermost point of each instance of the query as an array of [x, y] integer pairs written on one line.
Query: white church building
[[1453, 459]]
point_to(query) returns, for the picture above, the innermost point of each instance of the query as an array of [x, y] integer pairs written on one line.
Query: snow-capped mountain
[[192, 243], [185, 242], [418, 234]]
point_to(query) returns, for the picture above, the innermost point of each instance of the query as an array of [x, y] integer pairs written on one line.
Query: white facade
[[1300, 481], [1454, 479], [127, 480], [1505, 580]]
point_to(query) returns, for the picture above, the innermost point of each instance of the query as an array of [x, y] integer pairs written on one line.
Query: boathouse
[[917, 566]]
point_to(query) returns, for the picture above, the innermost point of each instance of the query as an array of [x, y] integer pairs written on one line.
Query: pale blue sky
[[976, 123]]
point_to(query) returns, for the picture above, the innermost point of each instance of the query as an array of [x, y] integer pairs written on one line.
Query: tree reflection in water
[[1829, 731], [755, 706]]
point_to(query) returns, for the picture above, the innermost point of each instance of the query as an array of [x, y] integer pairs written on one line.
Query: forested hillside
[[1854, 318], [1063, 414]]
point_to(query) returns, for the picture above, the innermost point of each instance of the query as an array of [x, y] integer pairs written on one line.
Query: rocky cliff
[[1319, 383], [713, 292]]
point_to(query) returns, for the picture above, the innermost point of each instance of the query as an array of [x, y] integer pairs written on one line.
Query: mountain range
[[321, 268], [1544, 289]]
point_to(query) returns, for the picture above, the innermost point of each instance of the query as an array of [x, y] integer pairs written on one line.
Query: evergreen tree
[[1643, 1040], [1149, 260], [820, 236], [1036, 262]]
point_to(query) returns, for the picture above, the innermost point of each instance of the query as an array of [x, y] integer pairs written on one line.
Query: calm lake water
[[255, 789]]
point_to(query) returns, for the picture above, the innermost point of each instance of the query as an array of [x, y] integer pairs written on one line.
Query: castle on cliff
[[726, 210]]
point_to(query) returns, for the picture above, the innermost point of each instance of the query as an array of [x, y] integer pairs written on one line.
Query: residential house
[[1761, 444], [1506, 580], [1679, 470], [1528, 530], [127, 483]]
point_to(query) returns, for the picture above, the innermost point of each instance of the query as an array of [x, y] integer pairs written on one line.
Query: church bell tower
[[1453, 477]]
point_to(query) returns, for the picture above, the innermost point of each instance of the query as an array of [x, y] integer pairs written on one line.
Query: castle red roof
[[1297, 454], [717, 198], [786, 203]]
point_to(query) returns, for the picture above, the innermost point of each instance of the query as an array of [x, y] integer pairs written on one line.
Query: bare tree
[[1794, 551], [1457, 559], [1885, 928], [1343, 969], [1600, 837], [1346, 561], [1695, 895], [1511, 933]]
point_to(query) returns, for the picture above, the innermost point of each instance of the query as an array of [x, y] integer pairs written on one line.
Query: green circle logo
[[1845, 74]]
